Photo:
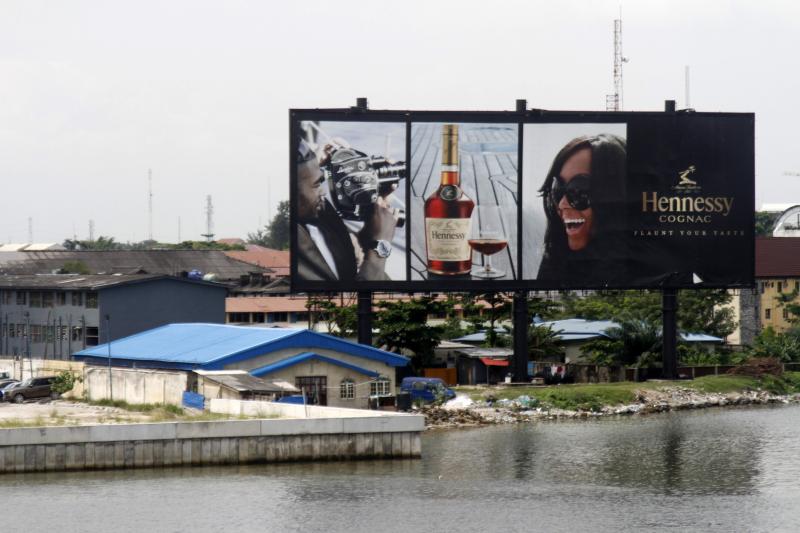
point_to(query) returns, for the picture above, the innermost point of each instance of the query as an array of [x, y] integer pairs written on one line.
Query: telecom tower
[[209, 234], [614, 101], [149, 204]]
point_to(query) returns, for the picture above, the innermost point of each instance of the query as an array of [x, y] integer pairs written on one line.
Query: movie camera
[[356, 180]]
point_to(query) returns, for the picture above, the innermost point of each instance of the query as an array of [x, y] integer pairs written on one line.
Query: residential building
[[777, 280], [53, 315]]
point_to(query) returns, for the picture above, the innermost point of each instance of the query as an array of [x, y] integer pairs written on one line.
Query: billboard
[[437, 201]]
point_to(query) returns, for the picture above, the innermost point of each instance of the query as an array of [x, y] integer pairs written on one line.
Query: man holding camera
[[326, 250]]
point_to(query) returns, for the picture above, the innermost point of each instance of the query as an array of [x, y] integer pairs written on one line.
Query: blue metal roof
[[579, 329], [212, 346], [302, 357]]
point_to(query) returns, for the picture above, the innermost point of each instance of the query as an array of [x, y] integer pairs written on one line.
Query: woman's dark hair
[[608, 209]]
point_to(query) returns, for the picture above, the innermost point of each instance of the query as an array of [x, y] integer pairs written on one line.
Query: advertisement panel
[[460, 201]]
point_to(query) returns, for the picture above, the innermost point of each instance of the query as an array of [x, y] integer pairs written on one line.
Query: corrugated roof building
[[331, 370]]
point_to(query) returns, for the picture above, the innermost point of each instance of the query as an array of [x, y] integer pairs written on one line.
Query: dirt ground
[[64, 412]]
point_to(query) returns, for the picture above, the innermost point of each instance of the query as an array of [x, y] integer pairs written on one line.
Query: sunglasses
[[577, 190]]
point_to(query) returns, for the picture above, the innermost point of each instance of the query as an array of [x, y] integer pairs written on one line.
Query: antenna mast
[[91, 230], [209, 234], [149, 204], [614, 101]]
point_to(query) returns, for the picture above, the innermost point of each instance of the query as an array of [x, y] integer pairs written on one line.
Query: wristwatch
[[382, 248]]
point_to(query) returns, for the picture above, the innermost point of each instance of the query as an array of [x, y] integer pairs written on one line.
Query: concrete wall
[[334, 373], [285, 410], [136, 385], [200, 443], [141, 306]]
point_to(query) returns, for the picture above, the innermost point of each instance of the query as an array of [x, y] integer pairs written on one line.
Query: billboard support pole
[[365, 318], [364, 297], [669, 308], [520, 366], [669, 336]]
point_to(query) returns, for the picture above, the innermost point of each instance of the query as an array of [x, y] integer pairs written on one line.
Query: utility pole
[[108, 339]]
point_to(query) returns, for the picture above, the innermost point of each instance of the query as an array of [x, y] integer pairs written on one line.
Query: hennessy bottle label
[[448, 239]]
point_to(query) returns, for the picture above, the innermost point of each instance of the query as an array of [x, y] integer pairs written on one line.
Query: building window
[[767, 313], [61, 298], [91, 300], [36, 333], [379, 387], [797, 286], [258, 317], [6, 297], [786, 314], [47, 299], [21, 300], [238, 317], [780, 286], [77, 299], [35, 299], [92, 336], [277, 317], [347, 389], [77, 333], [11, 329]]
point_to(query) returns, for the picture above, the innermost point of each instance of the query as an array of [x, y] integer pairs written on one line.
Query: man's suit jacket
[[311, 264]]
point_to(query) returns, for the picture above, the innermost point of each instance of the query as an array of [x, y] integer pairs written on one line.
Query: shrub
[[65, 382], [759, 366]]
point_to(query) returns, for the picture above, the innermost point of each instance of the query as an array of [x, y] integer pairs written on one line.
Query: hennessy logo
[[686, 183]]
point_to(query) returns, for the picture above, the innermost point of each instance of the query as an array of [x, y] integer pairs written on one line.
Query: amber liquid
[[488, 246], [459, 208]]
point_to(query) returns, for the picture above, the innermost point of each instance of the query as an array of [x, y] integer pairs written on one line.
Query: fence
[[448, 375]]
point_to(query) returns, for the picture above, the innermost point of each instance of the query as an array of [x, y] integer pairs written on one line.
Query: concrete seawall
[[210, 443]]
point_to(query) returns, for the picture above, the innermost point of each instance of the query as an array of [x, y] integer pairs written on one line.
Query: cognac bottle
[[447, 215]]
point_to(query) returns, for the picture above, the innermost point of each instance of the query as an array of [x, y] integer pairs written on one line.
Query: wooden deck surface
[[488, 165]]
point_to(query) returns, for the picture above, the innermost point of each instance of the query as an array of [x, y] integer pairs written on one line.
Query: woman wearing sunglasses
[[584, 202]]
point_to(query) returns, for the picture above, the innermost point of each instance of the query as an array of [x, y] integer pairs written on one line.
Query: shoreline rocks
[[647, 402]]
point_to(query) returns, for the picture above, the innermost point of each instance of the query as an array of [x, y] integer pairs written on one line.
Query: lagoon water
[[712, 470]]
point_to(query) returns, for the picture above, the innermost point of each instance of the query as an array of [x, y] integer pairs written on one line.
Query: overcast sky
[[93, 93]]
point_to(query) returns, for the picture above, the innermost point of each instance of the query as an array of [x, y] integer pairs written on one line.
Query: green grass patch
[[722, 384]]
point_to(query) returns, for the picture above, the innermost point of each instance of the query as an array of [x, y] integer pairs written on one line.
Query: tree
[[705, 311], [403, 327], [499, 309], [787, 300], [783, 346], [275, 234], [765, 221], [634, 342], [101, 243], [543, 343]]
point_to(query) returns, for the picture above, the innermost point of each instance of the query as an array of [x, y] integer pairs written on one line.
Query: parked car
[[29, 389], [426, 389], [6, 383]]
